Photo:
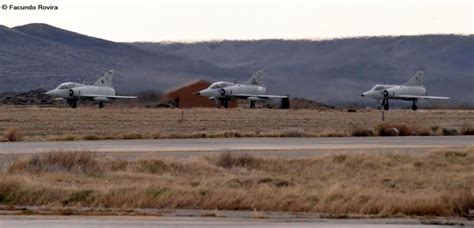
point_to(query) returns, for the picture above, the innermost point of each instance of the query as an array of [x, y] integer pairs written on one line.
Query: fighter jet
[[413, 90], [252, 89], [101, 91]]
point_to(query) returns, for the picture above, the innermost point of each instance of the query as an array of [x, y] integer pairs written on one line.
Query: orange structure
[[184, 97]]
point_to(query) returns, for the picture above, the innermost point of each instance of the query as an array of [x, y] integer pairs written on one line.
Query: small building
[[184, 97]]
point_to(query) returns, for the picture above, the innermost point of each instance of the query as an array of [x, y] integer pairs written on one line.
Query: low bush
[[66, 138], [292, 134], [360, 132], [73, 162], [467, 130], [228, 161], [91, 137], [394, 130], [132, 136], [12, 135], [448, 131]]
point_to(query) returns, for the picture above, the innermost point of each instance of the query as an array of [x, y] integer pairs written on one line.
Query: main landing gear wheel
[[414, 107], [225, 104], [101, 104], [252, 104], [72, 103]]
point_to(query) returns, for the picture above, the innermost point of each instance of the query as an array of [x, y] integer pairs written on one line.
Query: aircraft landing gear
[[252, 104], [385, 105], [285, 103], [72, 103], [101, 104], [221, 103], [413, 106], [225, 103]]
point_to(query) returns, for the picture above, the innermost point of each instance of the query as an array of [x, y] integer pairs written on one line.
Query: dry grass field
[[87, 123], [342, 185]]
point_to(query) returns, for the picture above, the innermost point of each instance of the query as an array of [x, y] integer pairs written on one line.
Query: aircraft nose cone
[[203, 92], [50, 92], [197, 93]]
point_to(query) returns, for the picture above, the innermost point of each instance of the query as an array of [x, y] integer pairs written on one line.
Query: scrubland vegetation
[[339, 185], [86, 123]]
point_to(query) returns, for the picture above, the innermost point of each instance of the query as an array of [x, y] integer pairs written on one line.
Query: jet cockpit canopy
[[218, 85]]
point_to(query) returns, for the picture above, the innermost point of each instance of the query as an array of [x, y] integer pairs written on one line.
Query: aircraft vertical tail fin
[[416, 79], [255, 79], [106, 79]]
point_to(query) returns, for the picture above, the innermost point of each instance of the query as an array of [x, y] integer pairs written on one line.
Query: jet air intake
[[391, 91]]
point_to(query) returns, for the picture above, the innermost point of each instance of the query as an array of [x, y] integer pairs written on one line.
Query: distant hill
[[40, 55], [337, 71], [329, 71]]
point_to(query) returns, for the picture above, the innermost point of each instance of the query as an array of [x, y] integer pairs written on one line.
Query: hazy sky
[[192, 20]]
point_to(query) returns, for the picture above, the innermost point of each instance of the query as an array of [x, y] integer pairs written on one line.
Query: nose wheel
[[222, 103], [101, 104], [72, 103], [385, 105]]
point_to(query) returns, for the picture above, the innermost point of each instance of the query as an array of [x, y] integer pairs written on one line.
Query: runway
[[279, 147], [196, 222]]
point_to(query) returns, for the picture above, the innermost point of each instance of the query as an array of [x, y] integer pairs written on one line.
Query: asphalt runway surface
[[196, 222], [277, 147]]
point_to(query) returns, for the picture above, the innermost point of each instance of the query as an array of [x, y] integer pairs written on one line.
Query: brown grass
[[450, 131], [132, 136], [379, 184], [360, 132], [391, 129], [134, 123], [91, 137], [387, 129], [12, 135], [79, 163], [227, 161], [467, 130]]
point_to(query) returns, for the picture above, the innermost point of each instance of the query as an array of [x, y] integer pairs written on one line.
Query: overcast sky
[[194, 20]]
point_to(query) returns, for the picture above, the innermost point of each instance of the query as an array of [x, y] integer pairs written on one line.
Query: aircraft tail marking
[[416, 79], [255, 79], [106, 79]]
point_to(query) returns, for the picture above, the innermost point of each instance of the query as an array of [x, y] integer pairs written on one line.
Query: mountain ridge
[[40, 55], [353, 64]]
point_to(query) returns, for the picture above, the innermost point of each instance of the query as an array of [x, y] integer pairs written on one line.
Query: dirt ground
[[39, 123]]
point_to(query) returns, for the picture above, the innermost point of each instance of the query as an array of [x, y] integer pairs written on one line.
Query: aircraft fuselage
[[380, 92], [226, 89], [71, 90]]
